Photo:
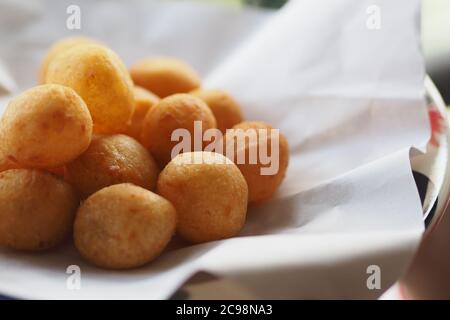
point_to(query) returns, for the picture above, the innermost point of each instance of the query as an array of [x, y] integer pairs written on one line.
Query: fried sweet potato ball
[[261, 187], [36, 209], [57, 48], [178, 111], [164, 76], [112, 160], [98, 75], [123, 226], [209, 193], [45, 127], [144, 100], [225, 109]]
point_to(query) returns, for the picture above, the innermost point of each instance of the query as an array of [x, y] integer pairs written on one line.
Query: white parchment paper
[[348, 98]]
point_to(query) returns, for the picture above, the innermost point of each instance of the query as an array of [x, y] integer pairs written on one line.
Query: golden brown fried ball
[[260, 187], [164, 76], [144, 100], [98, 75], [36, 209], [112, 160], [209, 193], [225, 109], [59, 47], [123, 226], [46, 126], [174, 112]]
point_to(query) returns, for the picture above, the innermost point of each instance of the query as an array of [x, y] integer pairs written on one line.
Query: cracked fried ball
[[123, 226], [45, 127], [261, 186], [209, 193], [36, 209], [112, 160], [144, 100], [178, 111], [5, 162], [98, 75], [164, 76], [59, 47], [225, 109]]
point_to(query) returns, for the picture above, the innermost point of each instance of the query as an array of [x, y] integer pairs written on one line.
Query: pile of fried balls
[[87, 153]]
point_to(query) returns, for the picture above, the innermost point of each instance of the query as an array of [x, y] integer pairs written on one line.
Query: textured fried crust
[[174, 112], [57, 48], [36, 209], [123, 226], [210, 197], [225, 109], [164, 76], [261, 187], [144, 100], [112, 160], [45, 126], [98, 75]]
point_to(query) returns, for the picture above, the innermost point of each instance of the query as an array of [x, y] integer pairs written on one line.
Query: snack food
[[164, 76], [144, 100], [36, 209], [178, 111], [123, 226], [78, 137], [225, 109], [209, 193], [98, 75], [45, 127], [57, 48], [111, 160], [261, 187]]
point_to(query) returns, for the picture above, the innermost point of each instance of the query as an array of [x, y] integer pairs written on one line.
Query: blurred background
[[435, 25], [436, 43]]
